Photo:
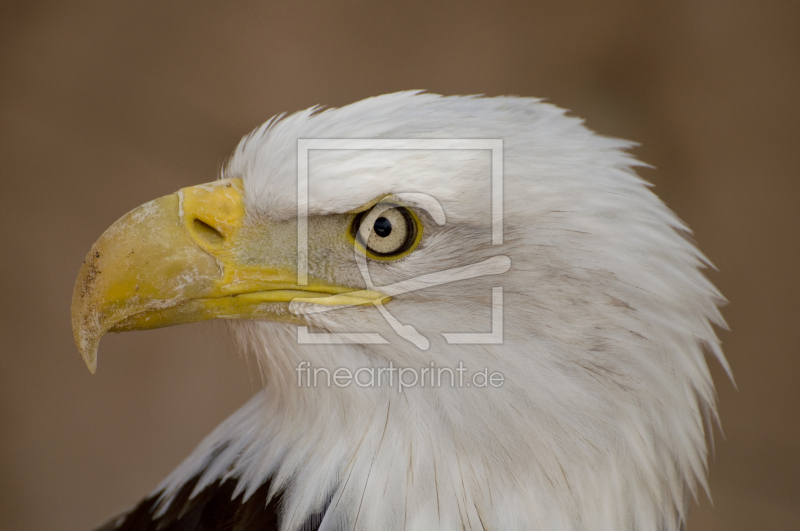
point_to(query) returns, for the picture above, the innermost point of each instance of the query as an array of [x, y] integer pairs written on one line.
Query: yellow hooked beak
[[176, 260]]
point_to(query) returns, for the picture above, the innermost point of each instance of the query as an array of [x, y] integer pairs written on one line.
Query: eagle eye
[[387, 231]]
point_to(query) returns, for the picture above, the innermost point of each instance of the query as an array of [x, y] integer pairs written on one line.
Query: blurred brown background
[[105, 105]]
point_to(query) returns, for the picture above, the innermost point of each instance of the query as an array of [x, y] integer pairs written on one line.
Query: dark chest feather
[[213, 509]]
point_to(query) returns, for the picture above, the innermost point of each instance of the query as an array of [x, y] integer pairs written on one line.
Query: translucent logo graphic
[[495, 265]]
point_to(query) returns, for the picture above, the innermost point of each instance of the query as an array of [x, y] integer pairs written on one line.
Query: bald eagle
[[469, 313]]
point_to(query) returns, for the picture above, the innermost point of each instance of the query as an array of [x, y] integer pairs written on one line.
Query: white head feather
[[601, 422]]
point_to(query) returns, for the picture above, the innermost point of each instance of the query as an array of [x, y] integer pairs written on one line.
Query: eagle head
[[470, 313]]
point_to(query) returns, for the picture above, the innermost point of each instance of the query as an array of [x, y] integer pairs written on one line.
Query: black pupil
[[382, 227]]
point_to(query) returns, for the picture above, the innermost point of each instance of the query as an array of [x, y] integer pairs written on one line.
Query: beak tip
[[88, 350], [91, 364]]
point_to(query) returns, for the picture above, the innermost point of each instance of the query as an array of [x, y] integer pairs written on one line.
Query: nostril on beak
[[207, 233]]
